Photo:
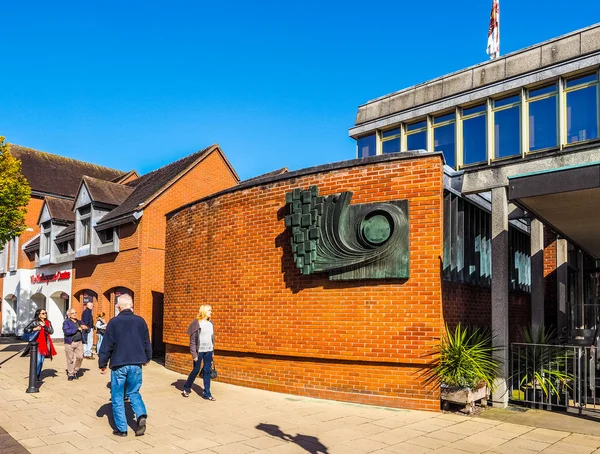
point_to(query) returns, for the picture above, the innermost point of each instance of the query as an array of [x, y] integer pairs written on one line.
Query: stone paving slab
[[76, 416]]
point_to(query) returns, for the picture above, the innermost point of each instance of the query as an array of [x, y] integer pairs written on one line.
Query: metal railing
[[548, 376]]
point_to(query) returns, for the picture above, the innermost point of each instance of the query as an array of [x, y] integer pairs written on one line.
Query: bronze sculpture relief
[[364, 241]]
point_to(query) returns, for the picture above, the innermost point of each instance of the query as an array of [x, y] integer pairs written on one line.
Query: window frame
[[492, 121], [407, 133], [452, 121], [382, 139], [461, 115], [565, 91], [528, 100]]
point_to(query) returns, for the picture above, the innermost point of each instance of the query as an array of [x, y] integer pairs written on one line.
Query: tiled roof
[[106, 192], [52, 174], [150, 184], [32, 245], [60, 209], [66, 232]]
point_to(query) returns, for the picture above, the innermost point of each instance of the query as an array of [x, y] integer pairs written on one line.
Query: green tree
[[14, 195]]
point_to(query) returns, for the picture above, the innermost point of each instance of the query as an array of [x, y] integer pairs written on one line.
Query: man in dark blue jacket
[[126, 345], [87, 319]]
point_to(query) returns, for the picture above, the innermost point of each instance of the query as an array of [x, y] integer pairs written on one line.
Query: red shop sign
[[58, 276]]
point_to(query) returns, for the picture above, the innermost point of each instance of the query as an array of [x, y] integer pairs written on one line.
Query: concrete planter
[[462, 396]]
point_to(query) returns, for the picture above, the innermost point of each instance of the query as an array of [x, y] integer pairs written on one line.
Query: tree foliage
[[14, 195]]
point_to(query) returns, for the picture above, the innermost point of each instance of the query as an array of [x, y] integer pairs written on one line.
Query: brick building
[[110, 235], [54, 180], [496, 161]]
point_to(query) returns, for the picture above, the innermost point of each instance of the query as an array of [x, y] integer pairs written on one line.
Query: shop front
[[50, 289]]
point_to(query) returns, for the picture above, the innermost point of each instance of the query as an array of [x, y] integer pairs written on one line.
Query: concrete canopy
[[567, 199]]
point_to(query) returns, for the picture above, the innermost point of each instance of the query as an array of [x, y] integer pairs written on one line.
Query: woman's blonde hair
[[203, 312], [101, 314]]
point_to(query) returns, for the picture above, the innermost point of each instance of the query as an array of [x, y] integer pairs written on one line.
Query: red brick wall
[[31, 218], [470, 304], [550, 283], [361, 341], [103, 273]]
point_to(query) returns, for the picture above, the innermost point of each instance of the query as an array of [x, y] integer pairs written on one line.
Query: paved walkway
[[72, 416]]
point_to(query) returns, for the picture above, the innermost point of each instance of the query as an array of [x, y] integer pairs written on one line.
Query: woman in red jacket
[[41, 323]]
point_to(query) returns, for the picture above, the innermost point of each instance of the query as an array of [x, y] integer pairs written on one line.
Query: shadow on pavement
[[106, 410], [196, 388], [306, 442]]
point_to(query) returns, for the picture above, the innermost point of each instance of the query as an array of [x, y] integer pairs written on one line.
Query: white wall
[[31, 297]]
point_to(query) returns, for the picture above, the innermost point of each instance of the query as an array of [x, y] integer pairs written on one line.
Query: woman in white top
[[202, 339], [100, 329]]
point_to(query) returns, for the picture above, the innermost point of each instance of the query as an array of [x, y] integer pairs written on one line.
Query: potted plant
[[463, 366], [541, 367]]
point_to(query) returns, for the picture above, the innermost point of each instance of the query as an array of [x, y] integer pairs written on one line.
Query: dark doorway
[[158, 346]]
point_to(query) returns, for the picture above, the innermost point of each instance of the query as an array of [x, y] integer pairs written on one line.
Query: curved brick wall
[[276, 329]]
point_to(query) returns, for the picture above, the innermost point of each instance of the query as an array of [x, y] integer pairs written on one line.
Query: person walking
[[41, 324], [87, 319], [127, 346], [74, 332], [201, 332], [100, 329]]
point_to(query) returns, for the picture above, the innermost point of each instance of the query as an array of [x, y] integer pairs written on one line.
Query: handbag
[[213, 372], [31, 337]]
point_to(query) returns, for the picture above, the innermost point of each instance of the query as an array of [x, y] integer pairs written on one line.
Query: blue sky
[[138, 84]]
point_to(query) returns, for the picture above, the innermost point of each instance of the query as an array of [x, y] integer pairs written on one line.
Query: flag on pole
[[493, 43]]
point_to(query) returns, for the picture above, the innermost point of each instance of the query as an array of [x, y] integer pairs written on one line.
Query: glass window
[[443, 118], [390, 141], [106, 236], [85, 210], [14, 251], [582, 114], [415, 126], [47, 243], [416, 141], [474, 139], [367, 146], [506, 101], [582, 80], [542, 123], [85, 231], [63, 247], [473, 110], [444, 138], [535, 92], [390, 133], [416, 136], [507, 127]]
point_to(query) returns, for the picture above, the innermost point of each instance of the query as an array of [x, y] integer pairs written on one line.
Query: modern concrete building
[[520, 138]]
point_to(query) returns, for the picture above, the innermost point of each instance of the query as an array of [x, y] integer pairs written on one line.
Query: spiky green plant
[[464, 358], [543, 364]]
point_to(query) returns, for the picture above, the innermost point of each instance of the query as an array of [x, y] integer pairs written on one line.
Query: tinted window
[[391, 146], [507, 133], [474, 140], [417, 141], [582, 115], [542, 124], [367, 146], [443, 140]]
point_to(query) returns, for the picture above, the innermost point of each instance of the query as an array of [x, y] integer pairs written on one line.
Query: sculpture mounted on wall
[[364, 241]]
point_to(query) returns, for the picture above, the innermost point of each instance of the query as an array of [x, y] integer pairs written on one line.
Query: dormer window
[[106, 236], [85, 223]]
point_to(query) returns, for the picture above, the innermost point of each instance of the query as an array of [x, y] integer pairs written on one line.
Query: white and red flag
[[493, 44]]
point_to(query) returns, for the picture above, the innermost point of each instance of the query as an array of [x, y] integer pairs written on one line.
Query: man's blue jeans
[[40, 363], [130, 377], [208, 359], [87, 347]]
